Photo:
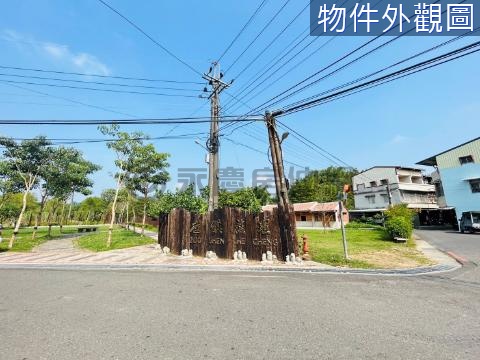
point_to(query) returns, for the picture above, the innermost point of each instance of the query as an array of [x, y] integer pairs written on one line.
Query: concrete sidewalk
[[62, 254]]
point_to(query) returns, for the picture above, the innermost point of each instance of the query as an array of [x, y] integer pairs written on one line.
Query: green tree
[[262, 194], [91, 209], [323, 185], [67, 172], [13, 206], [146, 168], [245, 199], [186, 199], [9, 183], [123, 146], [27, 160]]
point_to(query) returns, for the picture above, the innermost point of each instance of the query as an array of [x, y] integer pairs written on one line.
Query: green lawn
[[121, 239], [147, 227], [24, 240], [366, 248]]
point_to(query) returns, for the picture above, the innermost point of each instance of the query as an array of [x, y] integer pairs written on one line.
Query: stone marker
[[264, 257], [235, 256], [166, 250], [292, 257], [269, 256], [244, 256]]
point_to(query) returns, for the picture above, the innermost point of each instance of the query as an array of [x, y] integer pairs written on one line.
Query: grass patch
[[367, 249], [121, 239], [24, 240], [147, 227]]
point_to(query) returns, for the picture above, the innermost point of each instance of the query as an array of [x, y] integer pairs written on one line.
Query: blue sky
[[396, 124]]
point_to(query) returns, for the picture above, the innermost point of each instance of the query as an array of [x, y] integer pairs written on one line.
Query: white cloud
[[398, 139], [56, 51], [80, 61]]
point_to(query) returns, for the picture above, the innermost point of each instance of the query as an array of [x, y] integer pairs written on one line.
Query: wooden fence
[[224, 231]]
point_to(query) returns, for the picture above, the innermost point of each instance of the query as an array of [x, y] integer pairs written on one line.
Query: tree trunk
[[134, 217], [38, 218], [114, 207], [62, 217], [145, 199], [128, 214], [70, 207], [19, 220]]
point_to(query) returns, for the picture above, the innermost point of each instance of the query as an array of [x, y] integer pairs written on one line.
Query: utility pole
[[389, 192], [344, 235], [214, 78], [285, 216]]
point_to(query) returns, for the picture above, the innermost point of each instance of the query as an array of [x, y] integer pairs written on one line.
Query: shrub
[[362, 225], [400, 210], [399, 227]]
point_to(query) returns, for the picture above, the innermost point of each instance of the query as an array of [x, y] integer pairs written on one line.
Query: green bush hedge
[[399, 223], [399, 227], [362, 225]]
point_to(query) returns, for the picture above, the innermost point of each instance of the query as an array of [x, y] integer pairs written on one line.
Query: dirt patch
[[394, 258]]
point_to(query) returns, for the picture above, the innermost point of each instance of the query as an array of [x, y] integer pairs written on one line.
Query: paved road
[[205, 315], [467, 246]]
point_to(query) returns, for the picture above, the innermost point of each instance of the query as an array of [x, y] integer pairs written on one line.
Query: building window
[[465, 159], [385, 198], [475, 185], [303, 218], [360, 186], [373, 183], [384, 182], [370, 199]]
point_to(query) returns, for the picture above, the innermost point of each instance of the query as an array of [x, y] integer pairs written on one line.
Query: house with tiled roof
[[316, 215]]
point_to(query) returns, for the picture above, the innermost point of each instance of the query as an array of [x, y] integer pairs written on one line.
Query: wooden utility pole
[[286, 217], [214, 77]]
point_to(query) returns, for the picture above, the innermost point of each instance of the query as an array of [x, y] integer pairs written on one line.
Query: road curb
[[461, 260], [222, 268]]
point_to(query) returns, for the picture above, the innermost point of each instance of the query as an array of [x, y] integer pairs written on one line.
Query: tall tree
[[322, 185], [27, 160], [9, 182], [65, 173], [146, 168], [123, 146], [262, 194]]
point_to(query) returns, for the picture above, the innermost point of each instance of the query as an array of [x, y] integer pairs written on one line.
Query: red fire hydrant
[[306, 255]]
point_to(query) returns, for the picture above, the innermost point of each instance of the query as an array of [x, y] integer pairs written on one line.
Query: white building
[[380, 186]]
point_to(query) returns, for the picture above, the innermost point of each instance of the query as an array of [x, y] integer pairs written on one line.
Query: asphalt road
[[47, 314], [465, 245]]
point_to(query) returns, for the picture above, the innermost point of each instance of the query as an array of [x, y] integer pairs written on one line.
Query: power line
[[272, 42], [157, 121], [269, 102], [258, 35], [71, 141], [424, 65], [138, 28], [98, 82], [98, 75], [387, 67], [367, 76], [73, 101], [259, 151], [242, 29], [279, 57], [97, 89]]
